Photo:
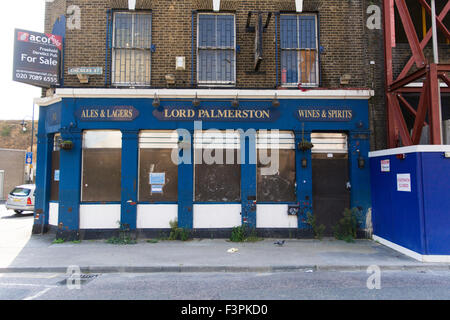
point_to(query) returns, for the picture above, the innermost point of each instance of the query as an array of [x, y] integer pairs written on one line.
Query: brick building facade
[[348, 45], [320, 80]]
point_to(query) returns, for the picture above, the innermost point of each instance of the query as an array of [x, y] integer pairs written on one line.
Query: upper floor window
[[299, 55], [131, 49], [216, 54]]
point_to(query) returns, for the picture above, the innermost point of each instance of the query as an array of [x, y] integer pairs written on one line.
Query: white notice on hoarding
[[385, 166], [404, 182]]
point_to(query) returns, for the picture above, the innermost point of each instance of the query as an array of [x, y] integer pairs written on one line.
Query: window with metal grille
[[299, 55], [131, 52], [278, 146], [155, 163], [216, 54]]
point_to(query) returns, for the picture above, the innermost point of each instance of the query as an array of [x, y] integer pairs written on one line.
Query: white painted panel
[[53, 212], [100, 216], [156, 215], [274, 216], [217, 215]]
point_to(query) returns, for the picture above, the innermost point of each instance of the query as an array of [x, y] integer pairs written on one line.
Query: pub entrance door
[[330, 178]]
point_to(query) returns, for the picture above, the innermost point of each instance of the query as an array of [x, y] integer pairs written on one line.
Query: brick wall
[[348, 46], [12, 162]]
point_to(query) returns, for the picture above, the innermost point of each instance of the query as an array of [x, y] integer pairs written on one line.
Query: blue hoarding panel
[[396, 214], [436, 193], [410, 201]]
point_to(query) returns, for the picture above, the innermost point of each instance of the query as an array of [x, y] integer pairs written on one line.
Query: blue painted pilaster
[[69, 187], [248, 180], [304, 179], [359, 145], [43, 179], [186, 184], [130, 147]]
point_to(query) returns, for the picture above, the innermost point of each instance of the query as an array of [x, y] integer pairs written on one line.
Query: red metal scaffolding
[[428, 74]]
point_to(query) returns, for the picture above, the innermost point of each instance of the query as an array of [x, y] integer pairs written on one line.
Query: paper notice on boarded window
[[158, 178], [56, 176], [157, 188], [385, 166], [404, 182]]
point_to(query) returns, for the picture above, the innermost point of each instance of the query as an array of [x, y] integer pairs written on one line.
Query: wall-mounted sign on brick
[[85, 70]]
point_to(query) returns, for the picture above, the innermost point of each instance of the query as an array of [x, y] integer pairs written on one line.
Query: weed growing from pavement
[[318, 230], [58, 241], [124, 235], [177, 233], [244, 234], [347, 226]]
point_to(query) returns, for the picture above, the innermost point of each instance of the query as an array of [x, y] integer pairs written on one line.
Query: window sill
[[217, 85], [296, 85]]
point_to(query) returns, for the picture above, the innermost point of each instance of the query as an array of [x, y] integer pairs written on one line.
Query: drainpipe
[[107, 47], [192, 49]]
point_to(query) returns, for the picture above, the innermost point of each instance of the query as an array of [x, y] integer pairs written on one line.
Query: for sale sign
[[37, 58]]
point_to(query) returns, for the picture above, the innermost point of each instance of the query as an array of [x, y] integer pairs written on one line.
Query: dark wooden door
[[331, 193]]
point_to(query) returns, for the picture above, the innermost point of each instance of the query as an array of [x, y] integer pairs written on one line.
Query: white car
[[21, 198]]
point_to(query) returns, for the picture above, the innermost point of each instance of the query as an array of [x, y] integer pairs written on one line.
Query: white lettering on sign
[[385, 166], [42, 60], [404, 182], [374, 20]]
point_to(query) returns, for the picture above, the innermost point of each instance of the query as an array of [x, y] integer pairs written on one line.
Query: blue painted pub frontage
[[129, 157]]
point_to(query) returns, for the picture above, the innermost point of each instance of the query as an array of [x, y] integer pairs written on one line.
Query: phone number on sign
[[33, 77]]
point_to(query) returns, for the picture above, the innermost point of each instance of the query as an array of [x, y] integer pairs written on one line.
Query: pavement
[[22, 252]]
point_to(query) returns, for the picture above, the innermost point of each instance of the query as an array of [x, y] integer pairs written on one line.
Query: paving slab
[[201, 255], [22, 252]]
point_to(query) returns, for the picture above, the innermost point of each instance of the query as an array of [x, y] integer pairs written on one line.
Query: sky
[[17, 98]]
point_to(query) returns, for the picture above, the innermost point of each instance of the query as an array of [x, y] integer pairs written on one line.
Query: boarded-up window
[[217, 169], [54, 184], [158, 174], [102, 161], [299, 58], [276, 166]]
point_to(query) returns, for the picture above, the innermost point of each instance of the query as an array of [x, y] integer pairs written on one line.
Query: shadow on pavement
[[18, 215]]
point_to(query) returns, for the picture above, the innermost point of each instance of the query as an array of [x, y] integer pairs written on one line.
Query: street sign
[[37, 58], [86, 70], [29, 158]]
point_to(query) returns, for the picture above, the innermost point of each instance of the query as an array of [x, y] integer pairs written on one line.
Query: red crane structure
[[428, 73]]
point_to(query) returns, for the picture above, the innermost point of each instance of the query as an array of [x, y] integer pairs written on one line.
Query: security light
[[235, 102], [275, 102], [156, 101], [196, 101]]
